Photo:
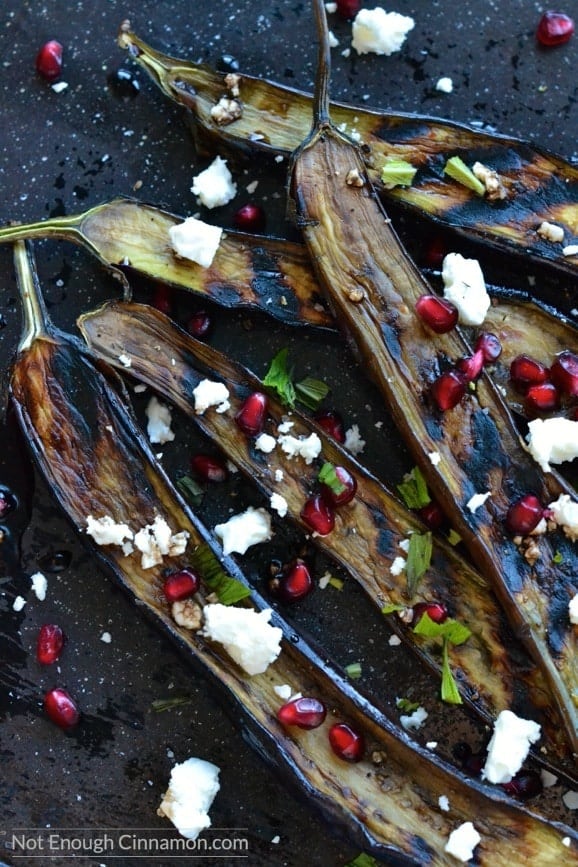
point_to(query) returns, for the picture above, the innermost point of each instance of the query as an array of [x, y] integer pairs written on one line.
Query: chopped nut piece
[[226, 111], [188, 614], [491, 181], [551, 232], [232, 80], [356, 295], [354, 179]]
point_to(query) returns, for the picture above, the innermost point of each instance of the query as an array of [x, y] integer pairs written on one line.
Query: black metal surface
[[63, 152]]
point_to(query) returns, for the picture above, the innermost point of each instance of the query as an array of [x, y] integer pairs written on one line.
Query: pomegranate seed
[[524, 515], [526, 371], [448, 389], [181, 585], [437, 313], [251, 416], [348, 8], [526, 784], [208, 469], [471, 365], [304, 712], [564, 373], [473, 764], [49, 643], [250, 218], [61, 708], [345, 496], [199, 324], [435, 253], [49, 60], [554, 28], [7, 503], [332, 424], [163, 300], [432, 515], [542, 398], [490, 345], [435, 611], [295, 582], [318, 515], [346, 743]]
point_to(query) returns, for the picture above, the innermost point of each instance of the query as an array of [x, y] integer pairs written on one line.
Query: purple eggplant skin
[[95, 460]]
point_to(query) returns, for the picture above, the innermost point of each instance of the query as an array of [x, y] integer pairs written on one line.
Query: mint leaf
[[328, 476], [392, 607], [460, 172], [353, 670], [450, 630], [406, 706], [228, 589], [397, 173], [449, 689], [413, 490], [278, 377], [418, 559], [311, 392], [192, 492], [362, 860]]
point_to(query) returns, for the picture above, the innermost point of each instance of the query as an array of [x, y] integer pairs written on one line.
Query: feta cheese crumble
[[308, 448], [573, 609], [445, 84], [193, 786], [39, 585], [125, 360], [443, 802], [157, 540], [435, 458], [552, 440], [105, 531], [394, 641], [279, 504], [214, 186], [462, 842], [478, 500], [265, 443], [18, 603], [570, 799], [564, 512], [246, 635], [209, 393], [284, 691], [244, 530], [376, 31], [353, 440], [415, 720], [195, 240], [398, 566], [551, 232], [464, 286], [159, 422], [509, 746], [106, 637]]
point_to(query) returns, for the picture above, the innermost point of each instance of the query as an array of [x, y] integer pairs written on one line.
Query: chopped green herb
[[328, 476], [392, 607], [413, 490], [558, 558], [449, 689], [311, 392], [354, 670], [454, 538], [451, 632], [278, 377], [397, 173], [406, 706], [362, 860], [335, 582], [192, 492], [228, 589], [418, 559], [161, 704], [460, 172]]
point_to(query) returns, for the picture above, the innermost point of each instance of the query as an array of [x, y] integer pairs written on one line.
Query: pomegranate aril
[[251, 416], [345, 496], [473, 764], [199, 324], [434, 610], [250, 218], [489, 344], [526, 784], [471, 365], [432, 515], [554, 28], [332, 424], [208, 469], [524, 515], [448, 389], [49, 60], [163, 300], [61, 708], [526, 371], [295, 582], [49, 643], [181, 585], [7, 503], [346, 743], [435, 253], [542, 398], [437, 313], [348, 8], [318, 515], [564, 373], [303, 712]]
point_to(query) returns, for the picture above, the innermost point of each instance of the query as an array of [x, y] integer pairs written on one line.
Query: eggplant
[[368, 532], [73, 413], [539, 185], [372, 286]]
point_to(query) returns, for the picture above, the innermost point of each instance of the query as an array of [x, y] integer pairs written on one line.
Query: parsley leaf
[[418, 559], [328, 476], [278, 377], [413, 490]]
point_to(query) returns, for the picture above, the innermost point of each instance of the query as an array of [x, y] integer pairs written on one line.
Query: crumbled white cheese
[[432, 745], [284, 691], [156, 541], [509, 746], [462, 842], [279, 504], [331, 8], [435, 458], [244, 530], [193, 786], [214, 186], [39, 585], [444, 803], [195, 240], [106, 637], [125, 360], [552, 440], [139, 388], [573, 609], [394, 641], [405, 545], [285, 426], [564, 512], [353, 440], [209, 393], [279, 474], [376, 31], [570, 799], [265, 443], [464, 286], [566, 841], [159, 422], [324, 580], [19, 603], [333, 40], [414, 720], [398, 566], [548, 779], [246, 635], [478, 500], [105, 531], [445, 84], [308, 448], [551, 232], [570, 250]]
